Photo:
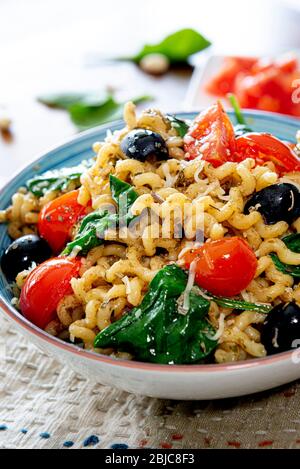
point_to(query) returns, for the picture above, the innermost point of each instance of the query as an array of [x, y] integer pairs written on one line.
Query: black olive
[[22, 253], [279, 202], [139, 144], [281, 328]]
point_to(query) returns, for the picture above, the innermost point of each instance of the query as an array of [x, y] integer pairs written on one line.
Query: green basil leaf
[[88, 109], [62, 100], [86, 114], [155, 331], [177, 47], [179, 125], [57, 180]]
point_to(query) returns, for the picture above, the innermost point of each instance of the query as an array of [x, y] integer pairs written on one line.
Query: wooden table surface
[[51, 45]]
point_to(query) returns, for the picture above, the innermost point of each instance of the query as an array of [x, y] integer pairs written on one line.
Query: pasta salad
[[177, 243]]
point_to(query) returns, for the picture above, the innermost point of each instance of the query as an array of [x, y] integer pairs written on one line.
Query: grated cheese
[[126, 281], [75, 251], [245, 295], [275, 338], [189, 245], [14, 302], [199, 171], [224, 197], [211, 187], [188, 139], [293, 201], [188, 288], [203, 294], [170, 180], [220, 330]]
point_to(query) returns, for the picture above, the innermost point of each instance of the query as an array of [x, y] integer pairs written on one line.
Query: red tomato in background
[[263, 84], [45, 286], [58, 217], [223, 82], [286, 63], [212, 136], [267, 90], [266, 147], [224, 267]]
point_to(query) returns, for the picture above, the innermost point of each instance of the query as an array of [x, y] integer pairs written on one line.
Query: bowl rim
[[8, 310]]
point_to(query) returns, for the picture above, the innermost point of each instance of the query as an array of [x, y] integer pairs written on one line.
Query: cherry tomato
[[266, 147], [287, 63], [58, 217], [269, 87], [223, 82], [212, 136], [267, 90], [224, 267], [45, 286], [264, 84]]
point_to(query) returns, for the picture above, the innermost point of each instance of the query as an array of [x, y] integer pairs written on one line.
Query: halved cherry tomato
[[224, 267], [264, 84], [268, 90], [223, 82], [45, 286], [287, 63], [266, 147], [58, 217], [212, 136]]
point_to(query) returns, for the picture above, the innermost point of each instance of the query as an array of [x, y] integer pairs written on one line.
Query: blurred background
[[50, 46]]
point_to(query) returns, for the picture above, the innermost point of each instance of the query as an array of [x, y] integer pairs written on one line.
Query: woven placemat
[[46, 405]]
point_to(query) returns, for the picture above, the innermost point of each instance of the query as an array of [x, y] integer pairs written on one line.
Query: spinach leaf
[[177, 47], [57, 180], [92, 229], [89, 109], [293, 243], [179, 125], [242, 127], [156, 332]]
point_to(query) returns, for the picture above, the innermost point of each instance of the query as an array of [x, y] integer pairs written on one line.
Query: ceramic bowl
[[162, 381]]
